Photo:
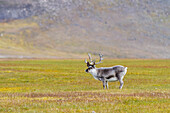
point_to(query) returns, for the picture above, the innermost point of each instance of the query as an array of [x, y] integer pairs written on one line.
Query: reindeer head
[[92, 63]]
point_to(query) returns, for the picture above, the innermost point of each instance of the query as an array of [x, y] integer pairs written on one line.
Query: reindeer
[[106, 74]]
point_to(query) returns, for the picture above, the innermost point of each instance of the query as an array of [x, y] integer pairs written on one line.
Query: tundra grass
[[63, 86]]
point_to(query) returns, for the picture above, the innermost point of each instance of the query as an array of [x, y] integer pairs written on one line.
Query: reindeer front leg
[[107, 85], [104, 82]]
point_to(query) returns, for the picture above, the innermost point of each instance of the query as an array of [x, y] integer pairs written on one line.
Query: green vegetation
[[63, 86]]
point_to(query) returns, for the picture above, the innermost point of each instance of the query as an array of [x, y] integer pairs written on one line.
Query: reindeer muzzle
[[86, 70]]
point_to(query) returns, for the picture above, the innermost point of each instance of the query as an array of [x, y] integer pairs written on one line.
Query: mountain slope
[[72, 28]]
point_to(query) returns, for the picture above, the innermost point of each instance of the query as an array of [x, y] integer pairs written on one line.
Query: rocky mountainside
[[72, 28]]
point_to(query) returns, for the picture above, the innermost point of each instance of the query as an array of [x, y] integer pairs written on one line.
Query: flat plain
[[52, 85]]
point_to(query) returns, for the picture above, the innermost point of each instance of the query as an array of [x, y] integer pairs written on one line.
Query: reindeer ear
[[88, 64]]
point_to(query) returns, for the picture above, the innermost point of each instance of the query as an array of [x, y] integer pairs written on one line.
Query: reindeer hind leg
[[121, 84], [120, 78]]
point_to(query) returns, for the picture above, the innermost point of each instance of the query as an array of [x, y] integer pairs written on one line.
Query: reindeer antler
[[100, 61], [91, 60], [86, 61]]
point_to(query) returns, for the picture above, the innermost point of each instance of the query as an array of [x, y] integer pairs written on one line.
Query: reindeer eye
[[90, 67]]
